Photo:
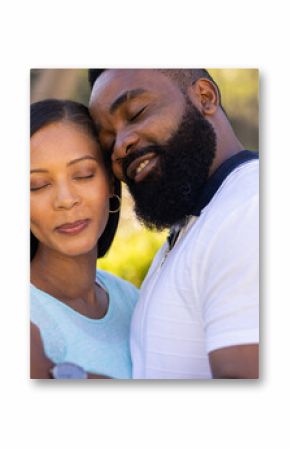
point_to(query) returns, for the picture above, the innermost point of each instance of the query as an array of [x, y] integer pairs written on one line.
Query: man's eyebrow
[[74, 161], [126, 96]]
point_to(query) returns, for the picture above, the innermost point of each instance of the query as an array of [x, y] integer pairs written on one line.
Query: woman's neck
[[66, 278]]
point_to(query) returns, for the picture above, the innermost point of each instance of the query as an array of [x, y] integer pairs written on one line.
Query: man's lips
[[142, 166], [73, 228]]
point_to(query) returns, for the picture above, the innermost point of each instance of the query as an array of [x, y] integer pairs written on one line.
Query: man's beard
[[170, 193]]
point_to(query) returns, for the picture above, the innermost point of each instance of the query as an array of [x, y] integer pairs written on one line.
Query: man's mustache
[[131, 157]]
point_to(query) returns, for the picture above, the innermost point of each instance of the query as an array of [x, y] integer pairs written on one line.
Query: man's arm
[[230, 285], [40, 365], [235, 362]]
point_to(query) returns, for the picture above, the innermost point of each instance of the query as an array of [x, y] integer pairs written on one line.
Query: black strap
[[217, 178], [214, 182]]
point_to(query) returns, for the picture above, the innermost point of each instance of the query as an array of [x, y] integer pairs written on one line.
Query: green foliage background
[[134, 247], [131, 255]]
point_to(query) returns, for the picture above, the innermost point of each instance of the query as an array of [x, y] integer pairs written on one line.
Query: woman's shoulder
[[116, 284]]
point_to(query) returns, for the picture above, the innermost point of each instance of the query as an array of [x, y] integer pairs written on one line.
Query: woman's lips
[[73, 228]]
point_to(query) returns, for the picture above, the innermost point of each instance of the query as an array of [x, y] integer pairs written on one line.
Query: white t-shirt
[[203, 294]]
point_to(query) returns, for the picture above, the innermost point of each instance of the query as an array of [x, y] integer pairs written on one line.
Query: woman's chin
[[76, 250]]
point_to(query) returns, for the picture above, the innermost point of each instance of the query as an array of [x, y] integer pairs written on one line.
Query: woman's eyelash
[[34, 189], [85, 177]]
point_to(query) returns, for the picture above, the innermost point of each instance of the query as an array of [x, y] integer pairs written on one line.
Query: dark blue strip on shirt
[[215, 181], [217, 178]]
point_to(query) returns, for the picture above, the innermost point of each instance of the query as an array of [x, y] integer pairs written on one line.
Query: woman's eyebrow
[[38, 170], [74, 161], [81, 159]]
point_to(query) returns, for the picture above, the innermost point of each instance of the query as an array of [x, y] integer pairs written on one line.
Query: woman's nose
[[66, 197]]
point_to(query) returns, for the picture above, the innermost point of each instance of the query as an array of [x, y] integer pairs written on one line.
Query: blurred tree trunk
[[53, 83]]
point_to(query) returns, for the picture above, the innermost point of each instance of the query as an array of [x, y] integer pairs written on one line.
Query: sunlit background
[[134, 246]]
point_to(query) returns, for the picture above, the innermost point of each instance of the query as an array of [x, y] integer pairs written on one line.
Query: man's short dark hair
[[43, 113], [93, 75], [183, 77]]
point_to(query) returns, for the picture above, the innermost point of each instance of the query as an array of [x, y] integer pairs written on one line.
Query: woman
[[80, 317]]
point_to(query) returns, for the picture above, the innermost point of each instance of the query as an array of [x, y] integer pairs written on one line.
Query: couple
[[164, 133]]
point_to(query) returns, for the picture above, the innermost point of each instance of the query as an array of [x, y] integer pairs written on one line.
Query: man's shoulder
[[239, 189], [243, 180], [235, 204]]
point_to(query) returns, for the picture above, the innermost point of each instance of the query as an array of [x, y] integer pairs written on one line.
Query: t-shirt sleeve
[[131, 292], [128, 291], [229, 285]]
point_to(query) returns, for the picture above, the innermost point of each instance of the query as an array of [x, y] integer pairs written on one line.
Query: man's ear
[[204, 95]]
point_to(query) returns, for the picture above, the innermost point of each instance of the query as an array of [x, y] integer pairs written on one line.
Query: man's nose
[[124, 144], [66, 196]]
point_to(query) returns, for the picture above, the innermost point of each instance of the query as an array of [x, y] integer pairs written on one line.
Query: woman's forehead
[[63, 140]]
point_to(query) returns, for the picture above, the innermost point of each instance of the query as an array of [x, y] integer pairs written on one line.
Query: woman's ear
[[204, 95]]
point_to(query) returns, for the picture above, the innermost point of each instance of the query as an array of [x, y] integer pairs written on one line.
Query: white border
[[220, 414]]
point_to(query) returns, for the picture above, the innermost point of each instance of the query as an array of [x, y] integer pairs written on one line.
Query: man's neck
[[225, 153], [227, 142]]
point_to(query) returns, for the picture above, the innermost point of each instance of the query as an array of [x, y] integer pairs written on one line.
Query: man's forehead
[[113, 82], [129, 75]]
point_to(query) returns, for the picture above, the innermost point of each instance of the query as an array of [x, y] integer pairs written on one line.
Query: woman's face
[[70, 189]]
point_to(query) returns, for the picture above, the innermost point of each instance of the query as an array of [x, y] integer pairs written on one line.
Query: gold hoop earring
[[119, 205]]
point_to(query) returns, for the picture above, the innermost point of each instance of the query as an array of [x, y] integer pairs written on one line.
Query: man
[[171, 141]]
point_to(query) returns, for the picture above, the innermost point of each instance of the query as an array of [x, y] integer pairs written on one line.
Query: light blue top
[[99, 346]]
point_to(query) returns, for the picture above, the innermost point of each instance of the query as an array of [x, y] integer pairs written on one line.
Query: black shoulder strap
[[217, 178], [214, 182]]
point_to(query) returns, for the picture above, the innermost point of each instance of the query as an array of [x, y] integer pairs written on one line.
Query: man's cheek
[[118, 170]]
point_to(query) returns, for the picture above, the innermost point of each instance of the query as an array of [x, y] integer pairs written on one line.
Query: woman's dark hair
[[43, 113]]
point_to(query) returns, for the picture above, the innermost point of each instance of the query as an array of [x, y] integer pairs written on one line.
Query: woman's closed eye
[[34, 188], [85, 176]]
